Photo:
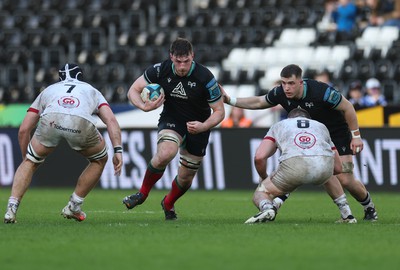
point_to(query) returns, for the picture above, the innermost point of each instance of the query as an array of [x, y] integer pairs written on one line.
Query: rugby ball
[[151, 92]]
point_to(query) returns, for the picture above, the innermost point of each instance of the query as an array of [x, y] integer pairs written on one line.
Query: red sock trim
[[176, 192], [151, 177]]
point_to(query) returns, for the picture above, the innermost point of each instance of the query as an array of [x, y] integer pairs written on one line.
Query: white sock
[[277, 202], [76, 199], [343, 206], [75, 202], [13, 200], [264, 205]]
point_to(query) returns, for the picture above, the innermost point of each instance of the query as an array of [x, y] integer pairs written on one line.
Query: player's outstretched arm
[[252, 103]]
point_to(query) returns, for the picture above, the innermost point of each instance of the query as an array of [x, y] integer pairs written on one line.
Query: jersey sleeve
[[332, 97], [272, 97], [36, 106], [271, 133], [101, 101], [152, 73], [213, 90]]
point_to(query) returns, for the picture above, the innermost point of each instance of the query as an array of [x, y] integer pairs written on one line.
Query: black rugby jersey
[[186, 98], [319, 99]]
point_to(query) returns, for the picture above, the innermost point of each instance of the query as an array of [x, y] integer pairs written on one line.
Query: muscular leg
[[90, 177], [262, 199], [347, 180], [266, 191], [189, 164], [355, 187], [167, 148], [97, 156], [335, 191], [24, 173], [166, 151], [23, 178]]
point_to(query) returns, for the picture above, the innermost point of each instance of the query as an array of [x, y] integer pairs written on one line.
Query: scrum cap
[[70, 71]]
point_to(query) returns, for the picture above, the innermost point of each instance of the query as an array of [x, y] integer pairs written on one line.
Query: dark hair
[[355, 85], [290, 70], [181, 47], [299, 112], [70, 71]]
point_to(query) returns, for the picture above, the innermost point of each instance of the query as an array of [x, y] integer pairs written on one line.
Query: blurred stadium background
[[244, 42]]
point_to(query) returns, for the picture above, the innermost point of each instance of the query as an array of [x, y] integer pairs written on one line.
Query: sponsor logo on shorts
[[69, 102], [59, 127], [305, 140]]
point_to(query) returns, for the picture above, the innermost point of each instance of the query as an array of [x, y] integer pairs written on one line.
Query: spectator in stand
[[384, 12], [340, 18], [356, 95], [324, 76], [374, 96], [327, 24], [345, 18], [236, 118]]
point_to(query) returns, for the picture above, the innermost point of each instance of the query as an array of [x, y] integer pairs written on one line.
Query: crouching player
[[308, 156]]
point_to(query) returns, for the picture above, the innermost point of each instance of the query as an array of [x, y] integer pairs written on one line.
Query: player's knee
[[168, 137], [33, 156], [163, 157], [189, 163], [100, 157], [347, 167], [261, 187]]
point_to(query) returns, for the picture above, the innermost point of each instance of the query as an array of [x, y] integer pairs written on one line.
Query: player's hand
[[152, 105], [225, 96], [195, 127], [356, 145], [117, 161]]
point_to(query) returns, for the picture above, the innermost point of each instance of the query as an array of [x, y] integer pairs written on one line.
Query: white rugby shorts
[[297, 171]]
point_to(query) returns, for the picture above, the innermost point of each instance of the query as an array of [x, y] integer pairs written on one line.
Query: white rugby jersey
[[72, 97], [301, 137]]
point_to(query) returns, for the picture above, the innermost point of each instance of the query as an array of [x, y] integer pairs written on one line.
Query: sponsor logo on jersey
[[192, 84], [305, 140], [309, 104], [69, 102], [59, 127], [179, 91]]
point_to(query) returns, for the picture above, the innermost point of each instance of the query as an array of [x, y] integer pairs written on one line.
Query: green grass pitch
[[209, 233]]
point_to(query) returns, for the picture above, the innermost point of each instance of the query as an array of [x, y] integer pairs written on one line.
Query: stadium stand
[[243, 42]]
